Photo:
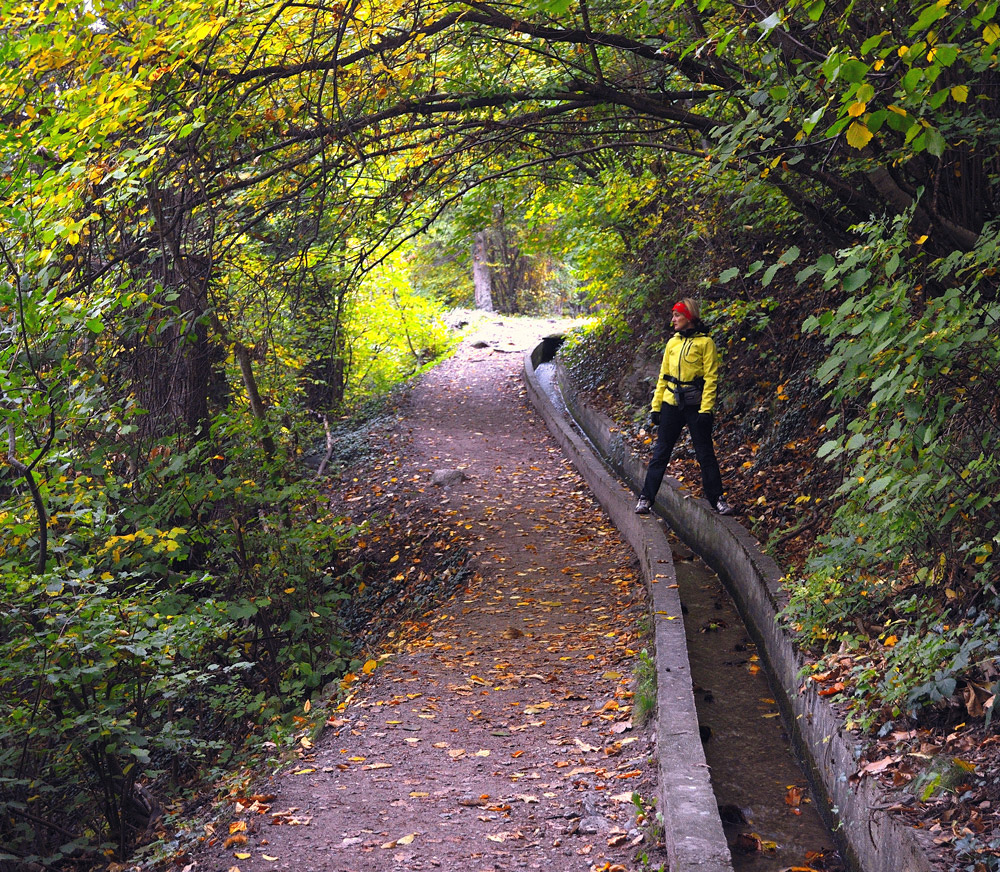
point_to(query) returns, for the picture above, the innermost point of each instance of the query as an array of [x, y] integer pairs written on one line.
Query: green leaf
[[728, 275], [945, 55], [789, 256], [933, 12], [815, 9], [855, 280], [873, 42], [935, 142], [828, 448], [854, 71]]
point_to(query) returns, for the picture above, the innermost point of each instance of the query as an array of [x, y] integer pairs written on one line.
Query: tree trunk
[[482, 274]]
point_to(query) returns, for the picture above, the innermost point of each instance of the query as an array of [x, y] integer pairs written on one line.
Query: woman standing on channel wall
[[685, 395]]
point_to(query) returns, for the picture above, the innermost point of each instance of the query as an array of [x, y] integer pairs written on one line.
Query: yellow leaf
[[242, 856], [307, 706], [921, 240], [858, 136], [269, 857], [960, 93], [369, 667], [991, 33], [409, 837], [856, 110]]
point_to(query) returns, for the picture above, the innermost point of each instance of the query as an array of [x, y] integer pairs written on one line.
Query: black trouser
[[672, 421]]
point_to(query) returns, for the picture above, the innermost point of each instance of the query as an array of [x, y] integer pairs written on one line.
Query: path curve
[[500, 735]]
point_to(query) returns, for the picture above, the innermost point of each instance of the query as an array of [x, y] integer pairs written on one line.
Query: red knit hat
[[680, 307]]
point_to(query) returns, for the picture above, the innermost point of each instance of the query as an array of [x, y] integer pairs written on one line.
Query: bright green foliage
[[915, 535], [392, 332]]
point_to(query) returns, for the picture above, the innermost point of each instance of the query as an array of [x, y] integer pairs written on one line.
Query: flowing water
[[771, 820]]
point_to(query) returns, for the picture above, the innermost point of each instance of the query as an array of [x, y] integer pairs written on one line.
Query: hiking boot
[[643, 506], [721, 506]]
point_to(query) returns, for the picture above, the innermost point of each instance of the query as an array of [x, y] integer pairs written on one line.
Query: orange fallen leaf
[[238, 827], [832, 689], [793, 797]]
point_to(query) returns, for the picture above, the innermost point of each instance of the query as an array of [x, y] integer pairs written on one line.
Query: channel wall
[[869, 837]]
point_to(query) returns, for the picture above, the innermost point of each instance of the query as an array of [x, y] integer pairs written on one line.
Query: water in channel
[[769, 815]]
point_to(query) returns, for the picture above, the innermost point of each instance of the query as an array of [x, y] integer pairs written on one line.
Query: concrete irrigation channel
[[868, 837]]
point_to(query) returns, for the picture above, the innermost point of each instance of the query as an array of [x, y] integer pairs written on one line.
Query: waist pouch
[[687, 395]]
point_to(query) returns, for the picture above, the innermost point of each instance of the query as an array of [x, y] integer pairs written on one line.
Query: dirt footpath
[[498, 733]]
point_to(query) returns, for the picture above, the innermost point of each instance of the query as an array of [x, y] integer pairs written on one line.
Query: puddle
[[754, 773]]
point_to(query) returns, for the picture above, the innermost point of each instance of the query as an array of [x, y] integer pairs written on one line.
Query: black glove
[[654, 418], [705, 419]]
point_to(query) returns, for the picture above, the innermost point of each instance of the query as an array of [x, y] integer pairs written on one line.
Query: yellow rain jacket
[[688, 360]]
